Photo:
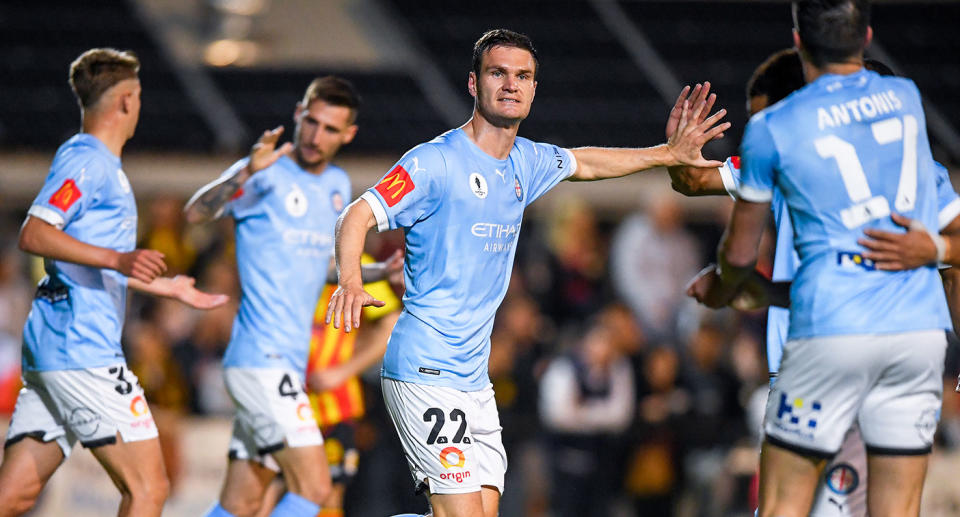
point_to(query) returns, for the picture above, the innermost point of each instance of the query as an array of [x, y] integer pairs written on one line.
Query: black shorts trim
[[263, 451], [233, 455], [798, 449], [36, 435], [890, 451], [109, 440]]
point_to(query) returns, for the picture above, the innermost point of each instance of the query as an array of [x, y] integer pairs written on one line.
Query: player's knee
[[245, 504], [153, 491], [316, 491]]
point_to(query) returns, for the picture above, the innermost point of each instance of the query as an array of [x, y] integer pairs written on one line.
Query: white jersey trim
[[754, 195], [949, 213], [573, 162], [726, 176], [383, 223], [45, 214]]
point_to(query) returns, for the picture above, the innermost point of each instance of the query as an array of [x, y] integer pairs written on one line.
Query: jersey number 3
[[867, 207]]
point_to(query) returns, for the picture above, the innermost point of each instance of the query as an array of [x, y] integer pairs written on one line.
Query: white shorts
[[451, 438], [87, 405], [273, 412], [843, 486], [890, 384]]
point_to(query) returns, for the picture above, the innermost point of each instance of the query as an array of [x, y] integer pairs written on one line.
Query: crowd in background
[[617, 393]]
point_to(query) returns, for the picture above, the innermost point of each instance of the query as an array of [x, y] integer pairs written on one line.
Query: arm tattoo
[[209, 201]]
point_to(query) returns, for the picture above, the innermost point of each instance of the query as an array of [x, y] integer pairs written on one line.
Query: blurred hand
[[700, 93], [264, 153], [327, 379], [346, 306], [753, 294], [394, 267], [144, 265], [706, 288], [182, 288], [895, 251]]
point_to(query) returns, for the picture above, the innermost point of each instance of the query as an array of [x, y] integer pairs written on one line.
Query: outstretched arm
[[208, 202], [347, 302], [684, 148], [42, 238], [371, 272], [896, 251], [180, 288]]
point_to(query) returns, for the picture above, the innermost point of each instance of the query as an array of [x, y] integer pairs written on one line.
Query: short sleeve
[[411, 191], [948, 202], [548, 165], [758, 155], [730, 175], [246, 201], [69, 190]]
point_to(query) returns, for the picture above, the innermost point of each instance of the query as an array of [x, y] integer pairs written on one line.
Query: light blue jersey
[[845, 152], [285, 220], [786, 261], [461, 210], [77, 315]]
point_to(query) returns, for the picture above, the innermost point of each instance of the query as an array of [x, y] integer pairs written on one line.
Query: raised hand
[[182, 288], [686, 144], [264, 153], [144, 265], [346, 306], [700, 93]]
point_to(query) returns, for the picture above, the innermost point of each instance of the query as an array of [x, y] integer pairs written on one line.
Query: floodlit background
[[594, 257]]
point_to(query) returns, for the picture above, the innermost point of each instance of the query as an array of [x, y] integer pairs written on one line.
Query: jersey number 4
[[867, 207]]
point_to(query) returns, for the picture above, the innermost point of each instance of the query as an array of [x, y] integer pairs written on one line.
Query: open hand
[[706, 288], [895, 251], [686, 144], [182, 288], [700, 93], [264, 153], [346, 306]]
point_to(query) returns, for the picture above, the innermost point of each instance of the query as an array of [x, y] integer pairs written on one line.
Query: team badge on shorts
[[798, 416], [842, 479], [927, 425], [517, 188]]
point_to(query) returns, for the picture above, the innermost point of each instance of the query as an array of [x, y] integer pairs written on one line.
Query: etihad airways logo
[[494, 230]]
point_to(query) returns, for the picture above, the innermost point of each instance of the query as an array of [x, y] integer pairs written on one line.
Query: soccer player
[[284, 202], [460, 199], [842, 488], [77, 386], [334, 388], [864, 345]]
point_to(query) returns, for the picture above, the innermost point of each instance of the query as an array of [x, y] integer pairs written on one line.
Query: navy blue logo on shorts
[[797, 416], [842, 479]]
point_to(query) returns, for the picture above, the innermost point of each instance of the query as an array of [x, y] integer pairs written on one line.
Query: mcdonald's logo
[[66, 195], [395, 185]]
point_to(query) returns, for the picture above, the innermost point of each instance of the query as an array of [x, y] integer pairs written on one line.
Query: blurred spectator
[[575, 275], [586, 404], [165, 233], [15, 299], [652, 258], [653, 477]]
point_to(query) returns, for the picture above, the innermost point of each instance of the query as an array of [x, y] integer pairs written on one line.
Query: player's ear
[[472, 84], [350, 134], [298, 111], [869, 38]]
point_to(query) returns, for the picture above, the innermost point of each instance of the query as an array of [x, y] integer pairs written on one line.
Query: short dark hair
[[335, 91], [832, 31], [503, 38], [97, 70], [778, 76], [879, 67]]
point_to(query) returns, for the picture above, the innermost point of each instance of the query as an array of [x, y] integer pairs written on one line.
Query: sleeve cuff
[[45, 214], [949, 213], [573, 163], [728, 182], [383, 223], [754, 195]]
